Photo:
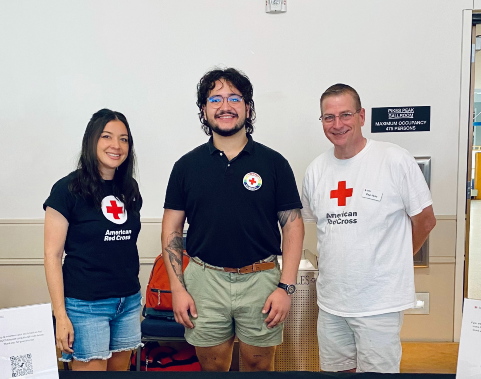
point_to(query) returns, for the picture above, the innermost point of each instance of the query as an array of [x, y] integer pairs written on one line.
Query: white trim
[[445, 217], [22, 221], [150, 260], [440, 260], [464, 98]]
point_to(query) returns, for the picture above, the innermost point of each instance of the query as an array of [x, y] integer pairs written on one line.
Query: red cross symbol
[[341, 193], [115, 210], [252, 180]]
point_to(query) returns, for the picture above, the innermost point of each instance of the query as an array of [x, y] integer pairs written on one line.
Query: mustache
[[222, 113]]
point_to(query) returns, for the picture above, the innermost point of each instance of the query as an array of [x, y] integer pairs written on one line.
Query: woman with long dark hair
[[93, 215]]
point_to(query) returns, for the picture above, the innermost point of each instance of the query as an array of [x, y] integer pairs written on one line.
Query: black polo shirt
[[231, 206]]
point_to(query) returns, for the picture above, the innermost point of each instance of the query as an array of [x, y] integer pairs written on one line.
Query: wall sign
[[27, 344], [401, 119], [470, 341]]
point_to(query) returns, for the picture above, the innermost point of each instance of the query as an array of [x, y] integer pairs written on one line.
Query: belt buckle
[[238, 270]]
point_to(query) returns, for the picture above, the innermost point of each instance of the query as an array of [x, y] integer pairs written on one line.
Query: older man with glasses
[[373, 211], [234, 193]]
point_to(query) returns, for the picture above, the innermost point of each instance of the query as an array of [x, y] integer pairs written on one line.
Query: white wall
[[62, 61]]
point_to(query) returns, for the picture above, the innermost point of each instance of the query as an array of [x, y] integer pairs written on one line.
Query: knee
[[258, 362], [214, 363]]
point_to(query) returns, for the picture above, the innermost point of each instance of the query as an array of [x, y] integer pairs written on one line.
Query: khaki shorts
[[369, 343], [231, 303]]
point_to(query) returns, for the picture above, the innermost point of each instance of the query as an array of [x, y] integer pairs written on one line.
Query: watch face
[[291, 289]]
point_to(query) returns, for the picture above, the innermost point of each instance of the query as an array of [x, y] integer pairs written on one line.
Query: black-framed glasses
[[216, 101], [345, 117]]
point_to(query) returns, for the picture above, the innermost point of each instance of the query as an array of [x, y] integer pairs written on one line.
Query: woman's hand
[[64, 334]]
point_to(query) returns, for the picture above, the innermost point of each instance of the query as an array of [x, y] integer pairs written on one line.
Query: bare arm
[[422, 224], [174, 247], [55, 232], [279, 302], [172, 250]]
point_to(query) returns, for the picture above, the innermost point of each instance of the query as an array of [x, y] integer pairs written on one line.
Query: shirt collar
[[247, 148]]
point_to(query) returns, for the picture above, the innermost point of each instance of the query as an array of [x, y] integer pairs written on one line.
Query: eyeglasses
[[328, 119], [217, 100]]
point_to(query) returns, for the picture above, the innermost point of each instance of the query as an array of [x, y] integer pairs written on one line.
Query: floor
[[429, 357], [474, 272]]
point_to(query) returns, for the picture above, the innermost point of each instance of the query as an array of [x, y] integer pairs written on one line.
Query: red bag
[[166, 358], [159, 295]]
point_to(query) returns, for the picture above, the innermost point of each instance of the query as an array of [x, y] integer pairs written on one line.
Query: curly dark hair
[[237, 79], [87, 182]]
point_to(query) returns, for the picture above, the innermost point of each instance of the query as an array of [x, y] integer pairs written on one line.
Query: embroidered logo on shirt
[[252, 181], [114, 210], [341, 193]]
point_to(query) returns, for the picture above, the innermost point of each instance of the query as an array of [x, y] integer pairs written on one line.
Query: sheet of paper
[[27, 343], [469, 356]]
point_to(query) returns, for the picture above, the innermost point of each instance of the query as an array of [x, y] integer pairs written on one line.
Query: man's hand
[[64, 334], [182, 303], [278, 305]]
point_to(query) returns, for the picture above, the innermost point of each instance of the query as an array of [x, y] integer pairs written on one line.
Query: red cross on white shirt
[[341, 193]]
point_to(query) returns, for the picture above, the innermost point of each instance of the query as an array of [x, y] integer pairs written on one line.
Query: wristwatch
[[289, 288]]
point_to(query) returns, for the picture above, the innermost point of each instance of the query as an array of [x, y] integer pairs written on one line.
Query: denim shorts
[[230, 303], [103, 327]]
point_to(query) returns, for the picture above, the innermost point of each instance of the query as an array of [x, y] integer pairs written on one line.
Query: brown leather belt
[[259, 266]]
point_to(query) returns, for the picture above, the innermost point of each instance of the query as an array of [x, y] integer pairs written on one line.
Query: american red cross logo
[[341, 193], [252, 181], [115, 210]]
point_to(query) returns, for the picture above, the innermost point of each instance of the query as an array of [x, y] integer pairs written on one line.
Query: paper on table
[[469, 355], [27, 343]]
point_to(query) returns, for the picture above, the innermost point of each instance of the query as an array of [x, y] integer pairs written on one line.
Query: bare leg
[[257, 358], [119, 361], [93, 365], [216, 358]]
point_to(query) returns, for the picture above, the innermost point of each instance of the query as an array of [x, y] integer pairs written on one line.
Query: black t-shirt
[[101, 259], [231, 206]]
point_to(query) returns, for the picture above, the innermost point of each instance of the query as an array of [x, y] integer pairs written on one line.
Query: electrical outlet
[[422, 305]]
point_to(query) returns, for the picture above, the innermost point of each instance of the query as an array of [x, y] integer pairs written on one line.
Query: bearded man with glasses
[[234, 193], [373, 211]]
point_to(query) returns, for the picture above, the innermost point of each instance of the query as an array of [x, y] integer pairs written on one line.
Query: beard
[[230, 132]]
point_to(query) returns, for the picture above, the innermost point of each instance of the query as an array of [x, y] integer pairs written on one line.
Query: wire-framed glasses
[[344, 117], [216, 101]]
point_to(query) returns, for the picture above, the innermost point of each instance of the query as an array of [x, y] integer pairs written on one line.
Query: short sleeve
[[307, 212], [138, 203], [415, 192], [174, 196], [61, 199], [287, 196]]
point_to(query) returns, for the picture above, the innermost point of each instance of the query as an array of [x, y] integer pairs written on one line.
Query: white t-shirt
[[362, 207]]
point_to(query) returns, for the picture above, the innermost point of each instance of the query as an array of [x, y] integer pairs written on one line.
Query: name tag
[[372, 194]]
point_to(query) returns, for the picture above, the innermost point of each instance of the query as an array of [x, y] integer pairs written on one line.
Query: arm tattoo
[[175, 249], [289, 215]]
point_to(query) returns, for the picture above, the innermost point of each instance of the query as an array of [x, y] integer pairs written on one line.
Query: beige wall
[[23, 281]]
